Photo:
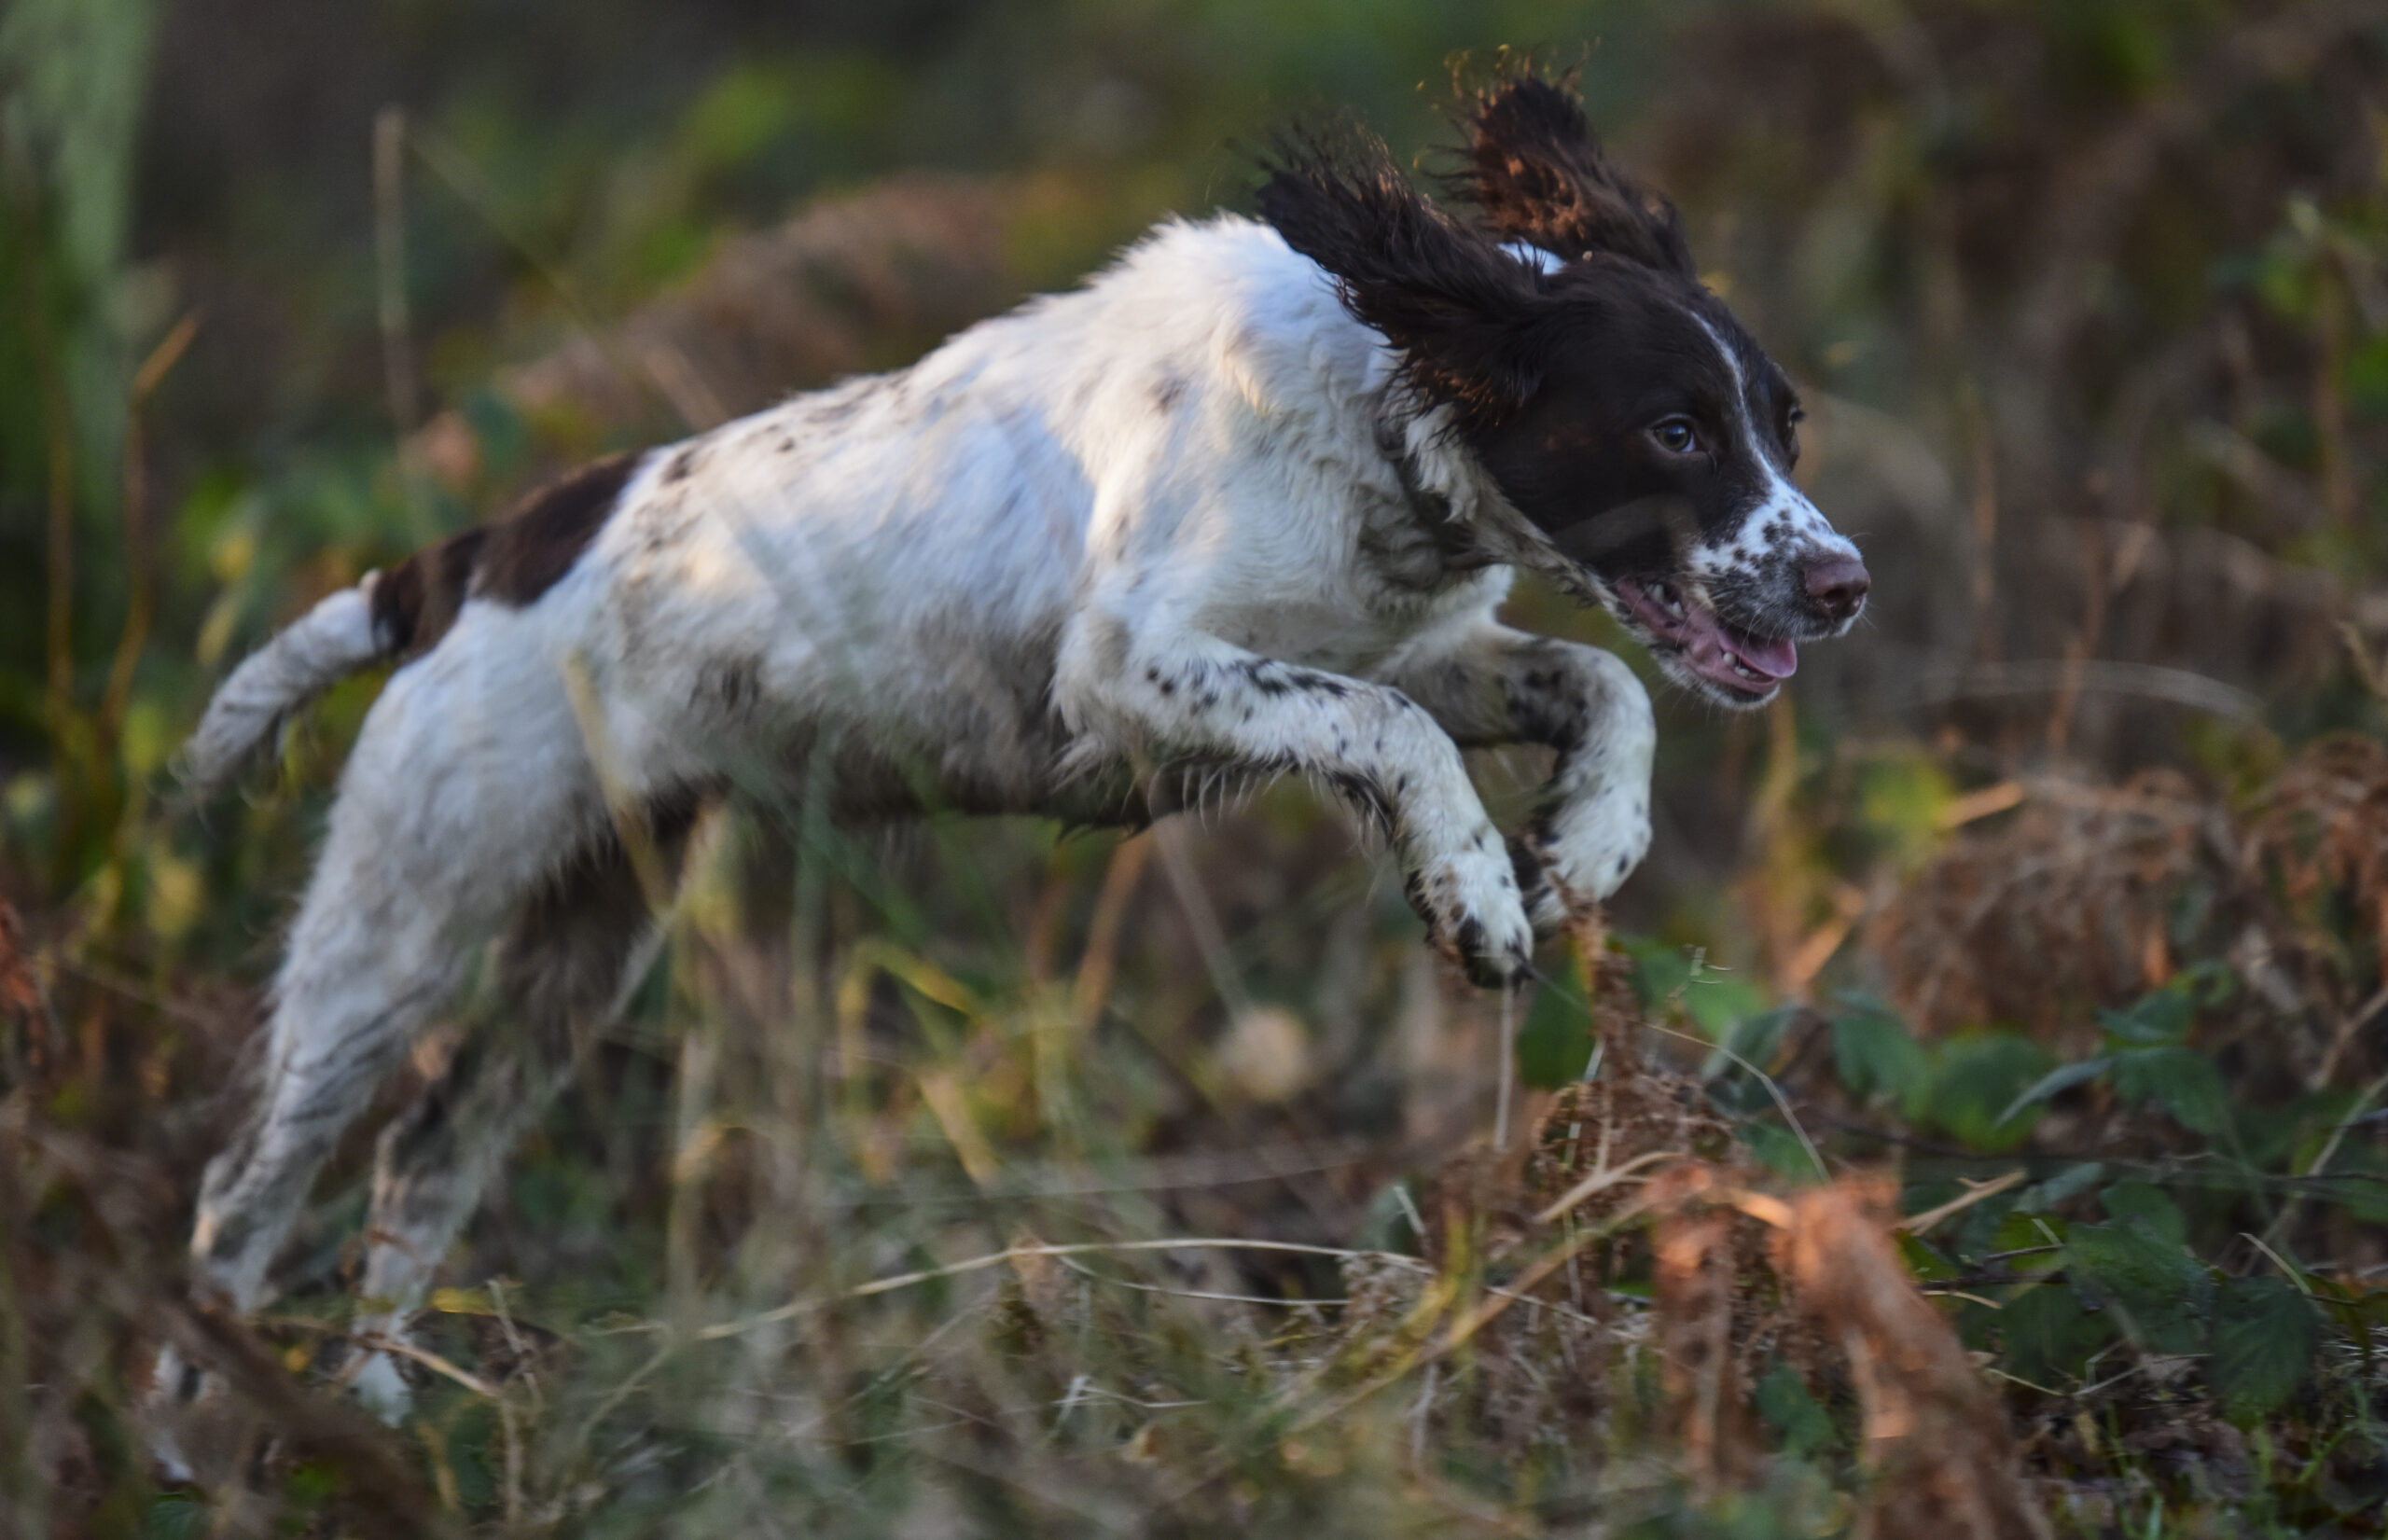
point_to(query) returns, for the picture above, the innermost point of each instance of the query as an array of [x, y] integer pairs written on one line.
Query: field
[[1973, 1116]]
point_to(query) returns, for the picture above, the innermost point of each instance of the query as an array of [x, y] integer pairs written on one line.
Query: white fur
[[1783, 518], [1175, 521], [876, 576], [324, 646]]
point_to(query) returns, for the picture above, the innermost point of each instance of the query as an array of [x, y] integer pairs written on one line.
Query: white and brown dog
[[1246, 502]]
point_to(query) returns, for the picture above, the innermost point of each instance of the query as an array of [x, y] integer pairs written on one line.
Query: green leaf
[[1878, 1060], [1658, 969], [1780, 1151], [2163, 1017], [2056, 1082], [1717, 1003], [2356, 1181], [178, 1516], [2156, 1292], [1756, 1039], [2150, 1207], [2049, 1337], [2020, 1232], [2041, 1197], [1925, 1261], [2266, 1334], [1555, 1044], [2183, 1081], [2364, 377], [1783, 1400], [1977, 1079]]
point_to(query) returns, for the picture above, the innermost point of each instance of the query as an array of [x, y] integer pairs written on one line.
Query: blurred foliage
[[2059, 894]]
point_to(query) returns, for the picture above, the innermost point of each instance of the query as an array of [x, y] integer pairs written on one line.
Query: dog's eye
[[1676, 435]]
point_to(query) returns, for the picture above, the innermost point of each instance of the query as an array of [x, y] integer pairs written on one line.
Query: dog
[[1245, 503]]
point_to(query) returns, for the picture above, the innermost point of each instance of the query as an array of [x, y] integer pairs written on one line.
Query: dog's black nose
[[1837, 584]]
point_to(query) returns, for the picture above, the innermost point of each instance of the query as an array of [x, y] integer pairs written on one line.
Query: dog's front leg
[[1498, 686], [1195, 702]]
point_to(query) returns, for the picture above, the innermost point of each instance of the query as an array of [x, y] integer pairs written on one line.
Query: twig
[[140, 558], [2348, 1030], [384, 1342], [1485, 1311], [1418, 1415], [1096, 963], [1772, 1090], [1085, 1272], [2322, 1159], [2294, 1276], [1507, 1070], [1918, 1224], [796, 1307], [1601, 1181]]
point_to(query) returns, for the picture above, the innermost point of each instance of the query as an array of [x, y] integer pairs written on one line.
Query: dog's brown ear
[[1534, 168], [1458, 308]]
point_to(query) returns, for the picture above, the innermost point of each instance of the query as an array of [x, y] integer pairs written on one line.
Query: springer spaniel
[[1244, 504]]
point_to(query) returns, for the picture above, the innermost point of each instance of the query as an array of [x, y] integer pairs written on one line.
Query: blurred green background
[[2087, 303]]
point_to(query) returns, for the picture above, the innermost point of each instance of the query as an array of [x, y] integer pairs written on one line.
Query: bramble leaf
[[2158, 1294], [2265, 1337], [2183, 1081], [1977, 1080], [2056, 1082], [2146, 1204], [2163, 1017], [2040, 1197], [2049, 1337], [1783, 1400], [1555, 1044], [1878, 1058]]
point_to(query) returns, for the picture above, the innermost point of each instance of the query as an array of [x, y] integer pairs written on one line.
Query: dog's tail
[[337, 638]]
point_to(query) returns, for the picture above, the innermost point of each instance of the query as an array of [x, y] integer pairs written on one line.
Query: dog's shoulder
[[1227, 292]]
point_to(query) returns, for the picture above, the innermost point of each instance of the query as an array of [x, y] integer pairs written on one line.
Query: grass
[[855, 1225]]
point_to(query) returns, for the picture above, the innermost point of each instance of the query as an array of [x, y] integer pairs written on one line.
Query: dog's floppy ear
[[1536, 170], [1457, 307]]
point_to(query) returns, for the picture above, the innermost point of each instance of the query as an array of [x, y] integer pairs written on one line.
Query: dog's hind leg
[[568, 960], [468, 784]]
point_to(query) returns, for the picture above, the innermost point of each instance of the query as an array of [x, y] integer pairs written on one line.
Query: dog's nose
[[1837, 584]]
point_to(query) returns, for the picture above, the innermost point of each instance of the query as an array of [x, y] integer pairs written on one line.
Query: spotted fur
[[1244, 505]]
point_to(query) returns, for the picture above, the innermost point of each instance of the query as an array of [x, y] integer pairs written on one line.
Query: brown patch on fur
[[512, 561], [415, 602], [545, 534]]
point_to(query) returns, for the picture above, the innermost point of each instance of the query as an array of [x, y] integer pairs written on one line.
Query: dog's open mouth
[[1717, 651]]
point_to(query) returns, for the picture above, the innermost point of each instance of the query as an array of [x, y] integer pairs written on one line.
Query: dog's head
[[1613, 398]]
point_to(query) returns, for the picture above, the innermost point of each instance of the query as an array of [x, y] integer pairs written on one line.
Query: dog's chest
[[1350, 609]]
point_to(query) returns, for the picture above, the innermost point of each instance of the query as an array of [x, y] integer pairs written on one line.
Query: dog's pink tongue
[[1777, 657]]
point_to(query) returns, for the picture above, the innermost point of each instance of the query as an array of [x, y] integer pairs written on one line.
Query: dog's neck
[[1454, 499]]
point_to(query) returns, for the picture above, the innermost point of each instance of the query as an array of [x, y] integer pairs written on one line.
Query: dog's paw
[[1580, 852], [182, 1418], [381, 1389], [1538, 886], [1475, 914]]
